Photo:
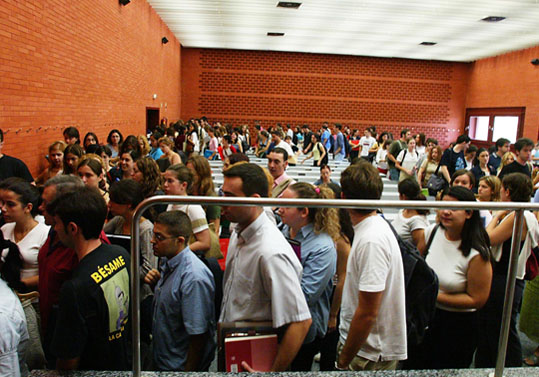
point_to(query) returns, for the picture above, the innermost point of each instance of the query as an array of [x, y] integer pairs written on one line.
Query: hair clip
[[317, 189]]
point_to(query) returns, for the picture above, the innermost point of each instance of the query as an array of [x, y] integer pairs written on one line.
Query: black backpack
[[217, 273], [421, 289]]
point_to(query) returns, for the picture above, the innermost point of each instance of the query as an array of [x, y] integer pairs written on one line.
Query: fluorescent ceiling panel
[[386, 28]]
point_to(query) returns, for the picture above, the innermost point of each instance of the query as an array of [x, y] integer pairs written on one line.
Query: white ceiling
[[385, 28]]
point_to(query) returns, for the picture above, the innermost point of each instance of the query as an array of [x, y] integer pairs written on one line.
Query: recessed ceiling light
[[288, 4], [493, 19], [428, 43], [270, 34]]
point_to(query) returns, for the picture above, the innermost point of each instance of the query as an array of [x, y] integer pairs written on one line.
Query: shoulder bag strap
[[404, 156], [437, 169], [431, 237]]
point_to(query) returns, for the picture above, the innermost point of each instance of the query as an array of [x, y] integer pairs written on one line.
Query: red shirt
[[56, 262]]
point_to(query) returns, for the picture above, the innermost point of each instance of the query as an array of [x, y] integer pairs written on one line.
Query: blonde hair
[[146, 148], [495, 184], [324, 219], [59, 145], [505, 159], [166, 140]]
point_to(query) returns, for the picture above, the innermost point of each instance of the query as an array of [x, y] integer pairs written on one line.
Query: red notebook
[[258, 351]]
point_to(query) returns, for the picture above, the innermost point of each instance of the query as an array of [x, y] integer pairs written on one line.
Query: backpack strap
[[404, 155], [431, 237]]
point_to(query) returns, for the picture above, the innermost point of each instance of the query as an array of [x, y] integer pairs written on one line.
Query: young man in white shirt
[[366, 143], [373, 314], [262, 280]]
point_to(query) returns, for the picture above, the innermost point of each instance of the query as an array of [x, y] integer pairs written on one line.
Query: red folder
[[258, 351]]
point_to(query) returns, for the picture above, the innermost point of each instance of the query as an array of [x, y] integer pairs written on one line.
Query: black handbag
[[435, 182]]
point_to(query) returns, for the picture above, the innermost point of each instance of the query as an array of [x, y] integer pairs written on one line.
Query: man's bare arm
[[361, 325]]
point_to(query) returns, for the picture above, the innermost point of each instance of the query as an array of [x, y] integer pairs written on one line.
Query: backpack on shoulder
[[421, 289], [218, 274]]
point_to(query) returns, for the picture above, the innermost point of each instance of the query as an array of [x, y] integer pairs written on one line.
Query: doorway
[[152, 119]]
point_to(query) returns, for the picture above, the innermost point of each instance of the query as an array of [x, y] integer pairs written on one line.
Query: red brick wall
[[240, 87], [508, 80], [91, 64]]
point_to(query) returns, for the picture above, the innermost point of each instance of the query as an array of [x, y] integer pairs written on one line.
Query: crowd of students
[[340, 293]]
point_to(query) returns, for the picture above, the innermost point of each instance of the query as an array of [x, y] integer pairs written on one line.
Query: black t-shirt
[[13, 167], [453, 160], [515, 167], [93, 312]]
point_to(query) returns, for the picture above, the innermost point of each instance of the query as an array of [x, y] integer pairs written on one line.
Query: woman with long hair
[[459, 254], [146, 172], [482, 168], [516, 187], [407, 160], [318, 152], [488, 189], [178, 180], [343, 244], [166, 146], [420, 144], [203, 186], [429, 166], [72, 155], [114, 140], [316, 229], [92, 173], [507, 158], [144, 145], [55, 159], [127, 163], [90, 139], [125, 196], [411, 223], [19, 205]]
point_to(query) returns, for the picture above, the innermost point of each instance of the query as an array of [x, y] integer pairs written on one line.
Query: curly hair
[[203, 184], [146, 148], [324, 219], [152, 180]]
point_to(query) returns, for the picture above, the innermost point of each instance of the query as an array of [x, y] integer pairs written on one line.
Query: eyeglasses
[[159, 237]]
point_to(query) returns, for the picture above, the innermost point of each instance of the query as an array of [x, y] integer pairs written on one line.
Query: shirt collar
[[175, 261], [250, 231], [283, 177], [303, 232]]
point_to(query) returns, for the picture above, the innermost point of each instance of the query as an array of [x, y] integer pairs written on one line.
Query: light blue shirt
[[183, 306], [156, 153], [340, 143], [325, 139], [319, 261]]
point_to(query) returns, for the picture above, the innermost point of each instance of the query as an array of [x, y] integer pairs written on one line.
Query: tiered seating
[[308, 173]]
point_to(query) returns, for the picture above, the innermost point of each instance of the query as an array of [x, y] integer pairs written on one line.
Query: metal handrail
[[324, 203]]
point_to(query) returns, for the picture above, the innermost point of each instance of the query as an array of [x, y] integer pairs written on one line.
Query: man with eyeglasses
[[183, 326]]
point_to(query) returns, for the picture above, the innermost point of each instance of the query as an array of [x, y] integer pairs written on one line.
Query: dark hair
[[519, 186], [523, 142], [1, 135], [72, 132], [10, 270], [460, 172], [86, 137], [74, 149], [463, 139], [126, 191], [176, 222], [473, 235], [106, 149], [130, 143], [282, 152], [152, 179], [431, 140], [381, 136], [323, 166], [501, 142], [156, 135], [404, 132], [476, 160], [252, 176], [362, 181], [411, 191], [135, 155], [83, 206], [471, 149], [112, 132], [237, 157], [339, 126], [183, 174], [421, 138], [27, 193]]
